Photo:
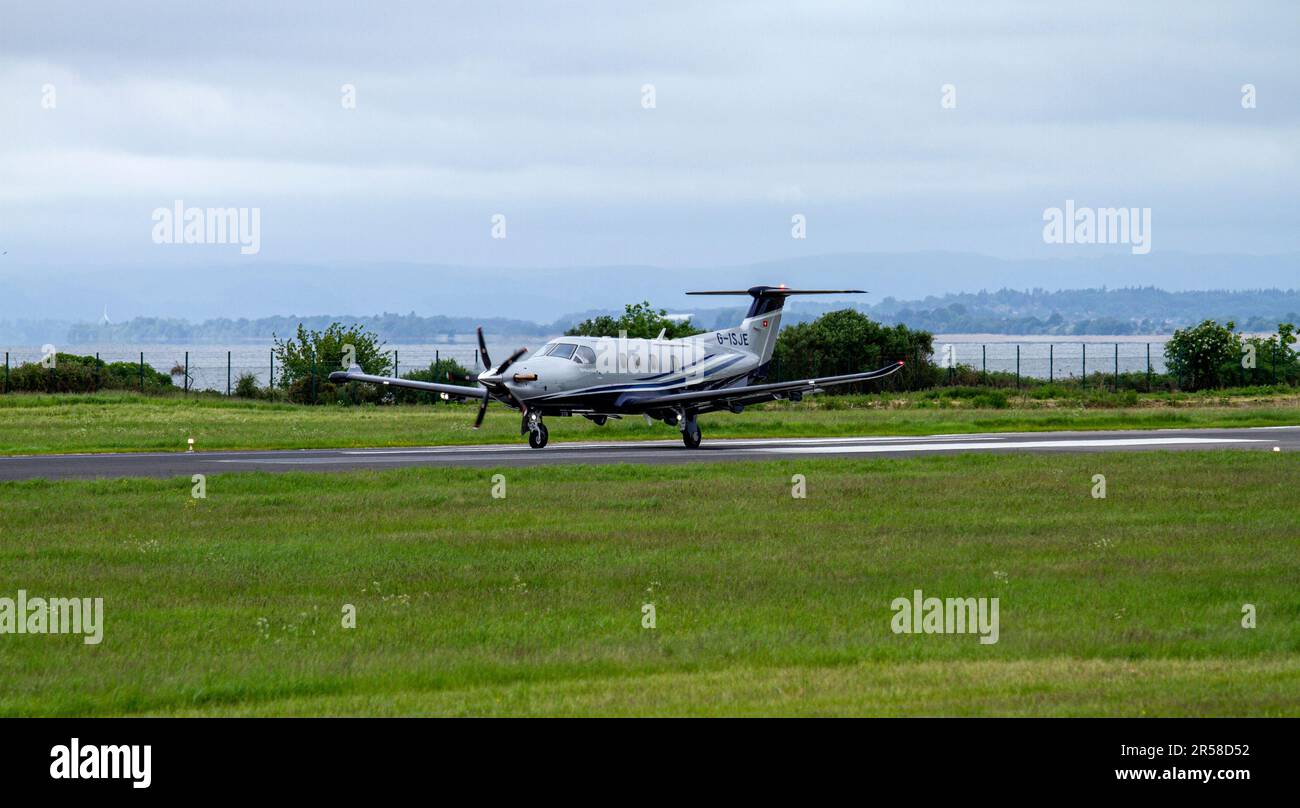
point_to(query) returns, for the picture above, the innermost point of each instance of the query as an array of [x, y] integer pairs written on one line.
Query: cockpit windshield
[[562, 350]]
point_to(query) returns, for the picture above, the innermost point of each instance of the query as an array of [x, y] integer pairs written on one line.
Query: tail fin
[[763, 319]]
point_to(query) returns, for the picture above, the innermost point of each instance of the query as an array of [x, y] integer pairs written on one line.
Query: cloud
[[760, 106]]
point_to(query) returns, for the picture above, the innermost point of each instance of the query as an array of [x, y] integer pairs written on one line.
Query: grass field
[[765, 604], [35, 424]]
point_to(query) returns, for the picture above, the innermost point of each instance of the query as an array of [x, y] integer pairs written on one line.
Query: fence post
[[97, 371], [227, 374], [984, 373], [142, 371], [1017, 366], [187, 373], [6, 371], [1116, 367], [270, 384], [1083, 380], [395, 362], [1051, 362], [476, 358], [313, 377], [1148, 367]]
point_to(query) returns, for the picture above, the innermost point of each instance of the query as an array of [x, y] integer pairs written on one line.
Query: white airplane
[[668, 380]]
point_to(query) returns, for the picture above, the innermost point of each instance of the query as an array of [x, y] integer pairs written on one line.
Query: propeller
[[482, 349], [491, 378]]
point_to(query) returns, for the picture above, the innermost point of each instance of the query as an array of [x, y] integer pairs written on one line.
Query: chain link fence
[[1114, 365]]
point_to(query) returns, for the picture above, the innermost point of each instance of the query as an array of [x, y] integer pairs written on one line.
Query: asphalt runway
[[91, 466]]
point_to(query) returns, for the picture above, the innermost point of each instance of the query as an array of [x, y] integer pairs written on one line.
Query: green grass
[[36, 424], [532, 604]]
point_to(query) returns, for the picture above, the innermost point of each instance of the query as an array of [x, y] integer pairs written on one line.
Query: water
[[1052, 356], [208, 362]]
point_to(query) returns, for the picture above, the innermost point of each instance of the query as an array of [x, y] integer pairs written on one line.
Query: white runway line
[[1028, 444]]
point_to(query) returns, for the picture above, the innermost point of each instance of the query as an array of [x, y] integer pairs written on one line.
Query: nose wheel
[[537, 436], [532, 424]]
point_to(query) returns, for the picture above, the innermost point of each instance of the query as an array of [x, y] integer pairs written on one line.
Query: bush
[[847, 341], [639, 321], [247, 387], [443, 371], [1204, 355], [84, 374], [316, 354]]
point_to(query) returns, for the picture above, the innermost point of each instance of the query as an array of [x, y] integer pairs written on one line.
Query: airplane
[[673, 381]]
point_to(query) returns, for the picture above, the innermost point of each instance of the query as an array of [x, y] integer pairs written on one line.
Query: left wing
[[354, 374], [725, 397]]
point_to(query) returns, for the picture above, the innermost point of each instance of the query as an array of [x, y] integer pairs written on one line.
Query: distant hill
[[1144, 310], [257, 289]]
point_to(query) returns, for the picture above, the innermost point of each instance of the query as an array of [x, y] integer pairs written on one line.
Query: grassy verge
[[128, 422], [764, 604]]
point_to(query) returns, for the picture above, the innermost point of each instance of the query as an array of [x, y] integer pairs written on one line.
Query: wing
[[354, 374], [724, 397]]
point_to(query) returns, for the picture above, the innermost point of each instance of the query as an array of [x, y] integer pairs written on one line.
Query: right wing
[[354, 374], [722, 397]]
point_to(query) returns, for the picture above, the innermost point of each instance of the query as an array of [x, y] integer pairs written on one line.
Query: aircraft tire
[[537, 437], [691, 436]]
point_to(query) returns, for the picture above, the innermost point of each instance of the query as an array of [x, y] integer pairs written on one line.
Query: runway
[[91, 466]]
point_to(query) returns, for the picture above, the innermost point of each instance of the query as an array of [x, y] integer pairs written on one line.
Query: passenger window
[[584, 355]]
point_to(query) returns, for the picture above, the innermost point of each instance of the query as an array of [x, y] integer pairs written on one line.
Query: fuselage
[[609, 375]]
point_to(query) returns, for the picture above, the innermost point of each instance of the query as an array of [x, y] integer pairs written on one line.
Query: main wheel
[[691, 436], [537, 437], [599, 420]]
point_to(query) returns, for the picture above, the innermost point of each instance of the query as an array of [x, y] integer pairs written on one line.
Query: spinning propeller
[[491, 378]]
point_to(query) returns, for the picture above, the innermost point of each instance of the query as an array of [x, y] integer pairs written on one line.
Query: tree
[[306, 361], [847, 341], [1275, 360], [639, 320], [1204, 356]]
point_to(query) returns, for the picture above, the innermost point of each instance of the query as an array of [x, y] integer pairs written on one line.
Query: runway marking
[[1028, 444], [749, 447], [729, 443]]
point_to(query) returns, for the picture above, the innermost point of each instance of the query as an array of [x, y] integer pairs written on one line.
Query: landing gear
[[537, 437], [532, 424], [598, 420], [691, 436], [690, 430]]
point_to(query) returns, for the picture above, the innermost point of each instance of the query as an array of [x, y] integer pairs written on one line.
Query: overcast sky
[[535, 111]]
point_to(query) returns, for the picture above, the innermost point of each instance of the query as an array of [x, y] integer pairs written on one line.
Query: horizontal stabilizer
[[780, 290]]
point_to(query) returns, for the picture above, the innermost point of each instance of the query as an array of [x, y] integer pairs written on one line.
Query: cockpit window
[[562, 350], [584, 355], [543, 351]]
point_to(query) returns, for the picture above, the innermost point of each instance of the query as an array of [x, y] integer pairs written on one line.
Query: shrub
[[1204, 355], [443, 371], [246, 386], [318, 353], [847, 341], [84, 374]]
